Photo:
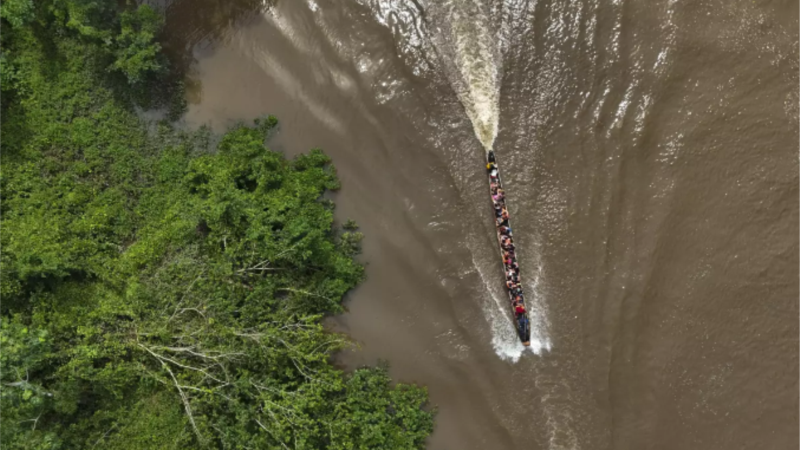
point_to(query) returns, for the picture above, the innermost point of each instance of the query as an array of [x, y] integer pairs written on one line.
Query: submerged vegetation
[[160, 291]]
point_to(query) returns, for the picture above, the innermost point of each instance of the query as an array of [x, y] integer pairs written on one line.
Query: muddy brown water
[[649, 150]]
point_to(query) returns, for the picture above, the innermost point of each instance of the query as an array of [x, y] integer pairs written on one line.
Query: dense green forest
[[163, 289]]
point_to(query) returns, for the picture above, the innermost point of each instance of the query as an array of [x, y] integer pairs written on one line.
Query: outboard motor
[[491, 156]]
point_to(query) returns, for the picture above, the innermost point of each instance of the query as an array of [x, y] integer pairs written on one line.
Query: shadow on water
[[193, 25]]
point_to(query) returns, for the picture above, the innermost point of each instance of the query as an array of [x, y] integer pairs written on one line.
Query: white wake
[[477, 58], [474, 46]]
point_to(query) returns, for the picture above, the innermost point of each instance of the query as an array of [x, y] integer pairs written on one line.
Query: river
[[649, 154]]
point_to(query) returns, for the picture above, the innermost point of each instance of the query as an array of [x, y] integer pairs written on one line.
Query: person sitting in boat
[[519, 309], [493, 174], [491, 166], [493, 186], [505, 230], [509, 262], [511, 285], [513, 275], [503, 219]]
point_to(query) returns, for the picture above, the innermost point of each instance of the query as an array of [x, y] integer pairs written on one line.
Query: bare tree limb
[[163, 358], [180, 302], [35, 421], [201, 355], [185, 401], [104, 435], [300, 291], [270, 433], [183, 310]]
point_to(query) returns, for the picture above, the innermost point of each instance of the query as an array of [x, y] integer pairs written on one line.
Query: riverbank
[[620, 249]]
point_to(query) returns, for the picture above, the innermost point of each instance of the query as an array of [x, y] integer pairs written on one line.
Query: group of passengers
[[506, 243]]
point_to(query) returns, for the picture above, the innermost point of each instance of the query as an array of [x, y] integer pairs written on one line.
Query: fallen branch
[[270, 433], [185, 401], [300, 291], [163, 358]]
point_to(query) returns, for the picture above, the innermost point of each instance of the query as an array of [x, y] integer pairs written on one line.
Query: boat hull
[[521, 321]]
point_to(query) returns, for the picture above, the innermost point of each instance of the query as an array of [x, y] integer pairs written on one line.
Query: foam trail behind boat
[[470, 46], [477, 58], [468, 36]]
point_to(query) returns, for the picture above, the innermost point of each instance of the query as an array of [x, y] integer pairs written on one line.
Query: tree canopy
[[163, 288]]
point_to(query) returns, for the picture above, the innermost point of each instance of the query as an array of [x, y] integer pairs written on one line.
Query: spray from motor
[[477, 61]]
